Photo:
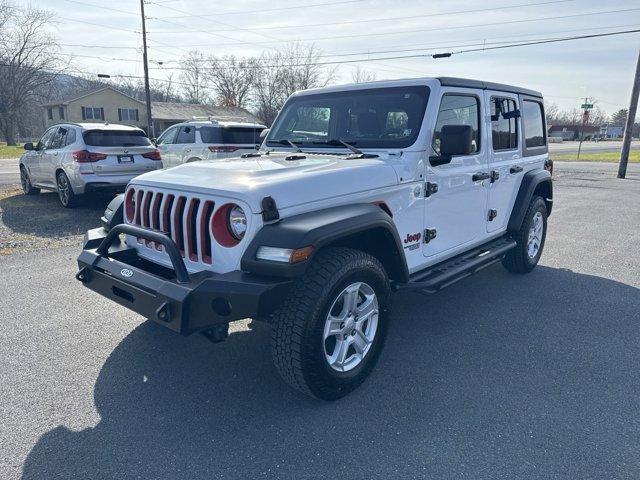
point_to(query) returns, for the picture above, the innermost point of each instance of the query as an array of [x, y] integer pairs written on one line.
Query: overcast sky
[[599, 67]]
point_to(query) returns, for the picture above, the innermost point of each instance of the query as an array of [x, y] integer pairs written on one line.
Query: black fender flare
[[531, 181], [113, 214], [323, 228]]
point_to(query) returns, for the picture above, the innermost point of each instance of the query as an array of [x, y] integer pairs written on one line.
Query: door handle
[[187, 149], [480, 176], [515, 169]]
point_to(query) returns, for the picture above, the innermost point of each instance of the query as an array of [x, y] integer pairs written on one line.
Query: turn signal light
[[85, 156]]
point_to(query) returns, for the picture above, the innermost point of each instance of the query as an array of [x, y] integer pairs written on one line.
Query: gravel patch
[[39, 222]]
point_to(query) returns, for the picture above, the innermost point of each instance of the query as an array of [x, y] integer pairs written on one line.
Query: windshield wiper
[[286, 141], [338, 142]]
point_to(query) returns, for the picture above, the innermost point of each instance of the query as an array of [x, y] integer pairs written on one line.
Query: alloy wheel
[[350, 327], [535, 235]]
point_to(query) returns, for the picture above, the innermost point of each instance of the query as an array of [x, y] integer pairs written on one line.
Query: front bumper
[[183, 302]]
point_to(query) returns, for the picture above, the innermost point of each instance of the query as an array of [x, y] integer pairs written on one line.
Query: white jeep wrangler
[[356, 192]]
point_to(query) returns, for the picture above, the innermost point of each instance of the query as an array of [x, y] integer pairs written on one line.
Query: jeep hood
[[310, 178]]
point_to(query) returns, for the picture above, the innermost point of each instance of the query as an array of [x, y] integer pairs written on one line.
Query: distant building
[[573, 132], [105, 104], [611, 131], [165, 114]]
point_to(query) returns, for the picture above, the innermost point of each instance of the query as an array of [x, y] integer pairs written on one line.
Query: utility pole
[[628, 128], [145, 62], [585, 117]]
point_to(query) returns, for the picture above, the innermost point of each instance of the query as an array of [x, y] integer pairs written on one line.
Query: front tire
[[25, 181], [329, 331], [68, 198], [530, 239]]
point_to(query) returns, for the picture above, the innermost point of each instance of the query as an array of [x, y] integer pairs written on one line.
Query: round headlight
[[237, 222]]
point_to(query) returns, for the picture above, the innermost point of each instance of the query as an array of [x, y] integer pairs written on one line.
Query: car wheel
[[25, 181], [529, 239], [68, 199], [328, 333]]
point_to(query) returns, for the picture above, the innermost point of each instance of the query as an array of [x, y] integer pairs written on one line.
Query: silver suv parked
[[207, 140], [76, 158]]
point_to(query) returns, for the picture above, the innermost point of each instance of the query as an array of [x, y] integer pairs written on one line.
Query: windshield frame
[[362, 144]]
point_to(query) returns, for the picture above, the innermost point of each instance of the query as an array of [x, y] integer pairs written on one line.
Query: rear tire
[[329, 331], [530, 239], [67, 197], [25, 181]]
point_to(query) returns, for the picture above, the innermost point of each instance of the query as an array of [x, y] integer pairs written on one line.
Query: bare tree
[[192, 76], [360, 75], [28, 63], [232, 79], [281, 73]]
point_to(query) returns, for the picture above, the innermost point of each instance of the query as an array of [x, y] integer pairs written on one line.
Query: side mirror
[[154, 141], [454, 140], [29, 146], [263, 134]]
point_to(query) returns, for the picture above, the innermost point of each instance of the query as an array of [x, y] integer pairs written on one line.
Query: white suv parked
[[76, 158], [358, 191], [207, 140]]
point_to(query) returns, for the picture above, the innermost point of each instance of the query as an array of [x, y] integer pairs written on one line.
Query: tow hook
[[82, 275], [217, 333]]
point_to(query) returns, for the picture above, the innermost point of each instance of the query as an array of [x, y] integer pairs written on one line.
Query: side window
[[92, 113], [458, 109], [187, 134], [168, 136], [504, 124], [71, 137], [533, 125], [58, 138], [46, 139]]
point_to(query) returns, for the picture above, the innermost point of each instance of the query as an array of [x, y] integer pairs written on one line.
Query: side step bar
[[443, 274]]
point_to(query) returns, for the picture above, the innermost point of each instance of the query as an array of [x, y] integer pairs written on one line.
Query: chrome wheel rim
[[24, 180], [350, 327], [535, 235], [63, 189]]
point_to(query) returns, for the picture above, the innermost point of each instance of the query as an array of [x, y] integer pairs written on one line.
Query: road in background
[[9, 172], [572, 147], [497, 376]]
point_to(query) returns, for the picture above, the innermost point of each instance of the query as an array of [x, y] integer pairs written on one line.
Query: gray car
[[78, 158]]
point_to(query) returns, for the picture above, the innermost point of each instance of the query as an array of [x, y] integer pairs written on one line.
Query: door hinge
[[430, 189], [492, 214], [429, 234], [495, 175]]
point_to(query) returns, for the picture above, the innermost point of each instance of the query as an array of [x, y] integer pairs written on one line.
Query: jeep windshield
[[370, 118]]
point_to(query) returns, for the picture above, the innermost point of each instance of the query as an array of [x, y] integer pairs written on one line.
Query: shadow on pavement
[[43, 216], [498, 376]]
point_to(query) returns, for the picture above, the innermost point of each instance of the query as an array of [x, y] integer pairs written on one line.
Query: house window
[[61, 112], [128, 114], [50, 113], [92, 113]]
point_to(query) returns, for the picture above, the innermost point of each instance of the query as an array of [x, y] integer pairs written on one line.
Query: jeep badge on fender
[[355, 193]]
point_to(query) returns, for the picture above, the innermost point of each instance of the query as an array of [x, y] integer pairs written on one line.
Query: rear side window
[[533, 125], [187, 134], [458, 110], [116, 138], [504, 124], [240, 135], [71, 137]]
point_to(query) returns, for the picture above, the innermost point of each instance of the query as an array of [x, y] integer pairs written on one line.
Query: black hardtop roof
[[469, 83]]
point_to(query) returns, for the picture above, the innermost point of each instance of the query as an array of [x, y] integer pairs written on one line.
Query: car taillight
[[222, 148], [85, 156], [155, 155]]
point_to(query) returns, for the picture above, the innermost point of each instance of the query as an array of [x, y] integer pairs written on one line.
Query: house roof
[[85, 93], [186, 111]]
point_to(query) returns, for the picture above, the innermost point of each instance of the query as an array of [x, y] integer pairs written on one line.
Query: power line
[[405, 31], [392, 19], [101, 7], [251, 12]]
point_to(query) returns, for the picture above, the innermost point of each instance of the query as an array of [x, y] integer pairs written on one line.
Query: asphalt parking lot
[[498, 376]]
